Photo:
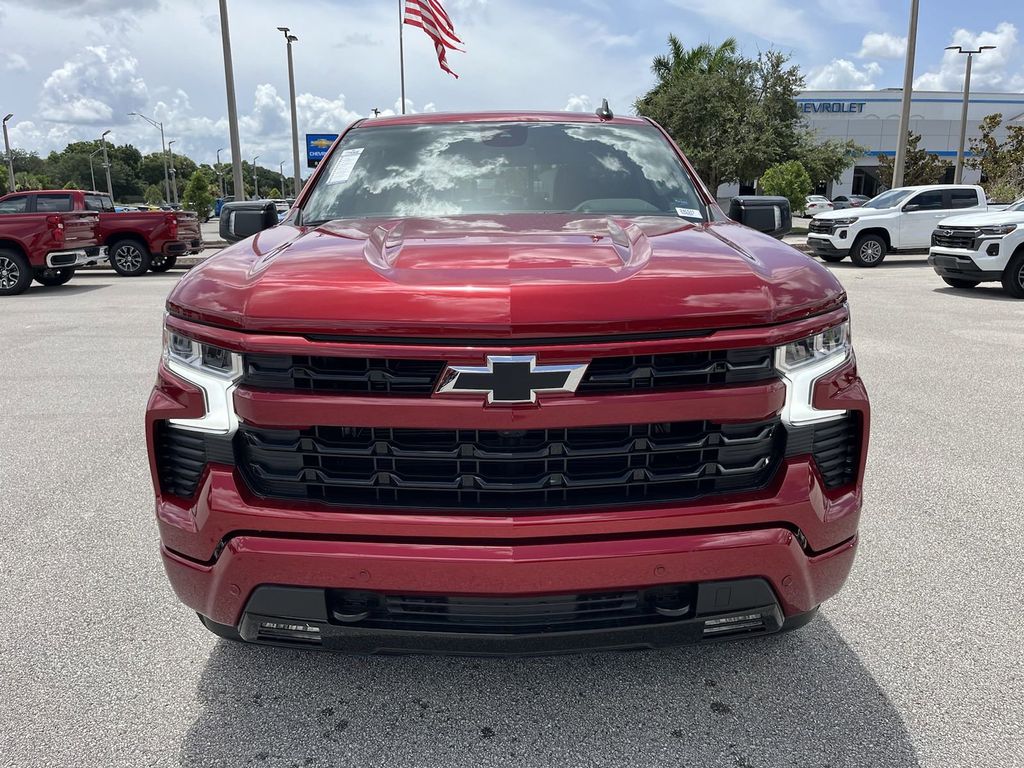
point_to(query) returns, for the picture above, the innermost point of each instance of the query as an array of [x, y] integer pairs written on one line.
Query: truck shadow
[[802, 699], [991, 292]]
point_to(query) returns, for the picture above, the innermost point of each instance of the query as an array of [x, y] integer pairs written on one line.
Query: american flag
[[429, 16]]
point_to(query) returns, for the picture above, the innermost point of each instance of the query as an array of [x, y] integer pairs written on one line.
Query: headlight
[[845, 222], [212, 369], [997, 230], [802, 363]]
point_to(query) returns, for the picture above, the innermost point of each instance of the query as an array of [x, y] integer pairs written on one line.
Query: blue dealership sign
[[317, 145]]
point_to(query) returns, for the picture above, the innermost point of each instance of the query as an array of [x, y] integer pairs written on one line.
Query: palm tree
[[680, 61]]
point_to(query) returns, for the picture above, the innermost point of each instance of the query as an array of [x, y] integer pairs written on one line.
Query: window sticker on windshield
[[689, 213], [342, 169]]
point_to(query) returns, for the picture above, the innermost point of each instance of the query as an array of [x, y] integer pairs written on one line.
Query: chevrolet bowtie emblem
[[512, 379]]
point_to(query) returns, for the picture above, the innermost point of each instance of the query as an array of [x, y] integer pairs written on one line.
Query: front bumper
[[956, 263], [76, 257], [827, 245]]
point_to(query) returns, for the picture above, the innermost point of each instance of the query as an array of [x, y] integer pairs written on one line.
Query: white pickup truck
[[901, 219], [981, 247]]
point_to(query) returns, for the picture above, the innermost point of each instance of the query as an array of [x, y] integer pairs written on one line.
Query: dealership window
[[53, 203], [963, 198]]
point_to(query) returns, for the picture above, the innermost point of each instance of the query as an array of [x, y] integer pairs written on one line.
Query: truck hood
[[984, 219], [505, 276], [860, 213]]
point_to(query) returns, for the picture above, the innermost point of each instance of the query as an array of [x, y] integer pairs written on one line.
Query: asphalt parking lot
[[918, 662]]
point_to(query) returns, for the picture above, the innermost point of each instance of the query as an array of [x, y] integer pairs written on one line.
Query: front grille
[[182, 455], [957, 238], [369, 376], [822, 226], [520, 615], [834, 445], [514, 469]]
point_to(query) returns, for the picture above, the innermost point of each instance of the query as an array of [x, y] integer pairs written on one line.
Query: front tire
[[1013, 275], [832, 258], [868, 251], [53, 277], [15, 273], [129, 258], [957, 282], [161, 263]]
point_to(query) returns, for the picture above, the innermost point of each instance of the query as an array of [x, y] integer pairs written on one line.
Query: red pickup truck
[[507, 383], [136, 241], [44, 246]]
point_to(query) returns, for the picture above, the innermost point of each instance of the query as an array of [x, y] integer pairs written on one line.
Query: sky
[[70, 69]]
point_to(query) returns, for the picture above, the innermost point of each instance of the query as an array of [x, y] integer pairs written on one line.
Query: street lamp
[[220, 173], [958, 178], [280, 170], [92, 174], [174, 173], [10, 155], [255, 180], [106, 164], [163, 146], [229, 83], [289, 39], [908, 92]]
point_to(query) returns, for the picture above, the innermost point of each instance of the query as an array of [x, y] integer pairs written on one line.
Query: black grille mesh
[[181, 456], [499, 470], [957, 238]]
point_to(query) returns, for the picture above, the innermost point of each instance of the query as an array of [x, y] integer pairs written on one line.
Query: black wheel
[[221, 630], [51, 277], [957, 282], [129, 258], [868, 251], [15, 273], [161, 263], [1013, 275], [832, 258]]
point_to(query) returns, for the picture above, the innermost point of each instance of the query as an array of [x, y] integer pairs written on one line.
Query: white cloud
[[15, 62], [100, 8], [844, 75], [578, 103], [109, 78], [772, 20], [991, 70], [882, 45]]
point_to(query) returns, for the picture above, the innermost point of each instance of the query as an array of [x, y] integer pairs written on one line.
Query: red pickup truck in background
[[136, 241], [44, 245]]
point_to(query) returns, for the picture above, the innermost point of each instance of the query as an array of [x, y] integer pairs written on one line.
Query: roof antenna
[[604, 112]]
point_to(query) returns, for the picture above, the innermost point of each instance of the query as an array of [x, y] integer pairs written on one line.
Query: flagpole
[[401, 51]]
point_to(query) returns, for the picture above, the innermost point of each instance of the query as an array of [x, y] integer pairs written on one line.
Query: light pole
[[10, 155], [280, 170], [92, 174], [174, 173], [958, 178], [106, 164], [220, 173], [229, 83], [255, 180], [289, 39], [908, 92], [163, 146]]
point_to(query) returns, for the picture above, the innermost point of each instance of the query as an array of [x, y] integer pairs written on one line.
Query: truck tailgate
[[188, 227]]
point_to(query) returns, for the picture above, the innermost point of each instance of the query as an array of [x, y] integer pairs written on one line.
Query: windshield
[[889, 199], [451, 169], [1018, 206]]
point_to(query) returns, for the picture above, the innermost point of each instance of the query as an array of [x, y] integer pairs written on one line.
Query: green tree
[[197, 195], [922, 166], [1001, 163], [825, 161], [682, 62], [153, 195], [790, 180]]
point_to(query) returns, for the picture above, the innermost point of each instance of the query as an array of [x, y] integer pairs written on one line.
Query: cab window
[[927, 201], [100, 203], [963, 198], [14, 204], [53, 203]]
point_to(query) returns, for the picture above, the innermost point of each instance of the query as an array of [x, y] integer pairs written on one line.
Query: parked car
[[533, 398], [816, 204], [136, 241], [842, 202], [43, 243], [901, 219], [219, 203], [981, 247]]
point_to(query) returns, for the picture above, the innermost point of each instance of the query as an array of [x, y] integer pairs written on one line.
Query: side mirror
[[771, 215], [243, 219]]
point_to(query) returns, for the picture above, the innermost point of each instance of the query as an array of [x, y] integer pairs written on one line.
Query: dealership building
[[871, 119]]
